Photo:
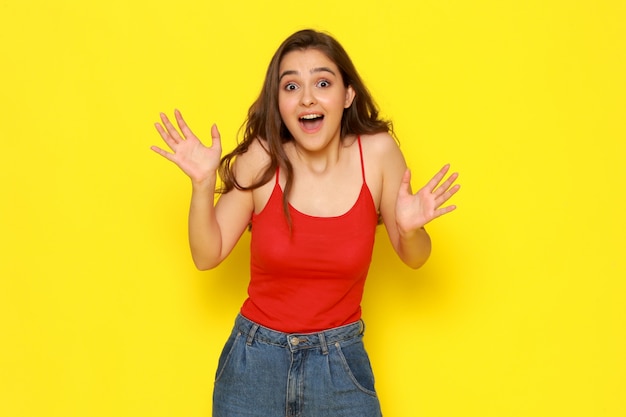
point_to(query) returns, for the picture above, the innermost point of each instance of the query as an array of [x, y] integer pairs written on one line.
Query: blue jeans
[[265, 373]]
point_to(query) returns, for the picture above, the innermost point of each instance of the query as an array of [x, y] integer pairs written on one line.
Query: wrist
[[411, 233], [205, 184], [414, 247]]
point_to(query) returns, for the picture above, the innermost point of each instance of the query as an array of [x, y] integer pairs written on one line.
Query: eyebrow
[[313, 71]]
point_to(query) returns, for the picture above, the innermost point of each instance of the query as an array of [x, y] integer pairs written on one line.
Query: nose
[[308, 96]]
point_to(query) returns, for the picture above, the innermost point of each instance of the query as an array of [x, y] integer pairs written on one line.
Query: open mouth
[[311, 122]]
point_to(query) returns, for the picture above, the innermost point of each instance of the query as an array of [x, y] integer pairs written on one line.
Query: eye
[[323, 83], [290, 87]]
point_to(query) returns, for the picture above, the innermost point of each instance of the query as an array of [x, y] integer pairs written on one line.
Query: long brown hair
[[265, 124]]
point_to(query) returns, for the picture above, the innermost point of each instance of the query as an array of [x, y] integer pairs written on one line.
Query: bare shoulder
[[384, 165], [249, 166], [381, 150]]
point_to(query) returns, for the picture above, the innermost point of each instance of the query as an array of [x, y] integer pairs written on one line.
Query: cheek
[[334, 103], [285, 105]]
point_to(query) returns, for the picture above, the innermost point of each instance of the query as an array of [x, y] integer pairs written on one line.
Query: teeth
[[311, 116]]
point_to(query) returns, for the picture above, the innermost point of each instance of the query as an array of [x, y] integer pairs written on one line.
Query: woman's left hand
[[413, 211]]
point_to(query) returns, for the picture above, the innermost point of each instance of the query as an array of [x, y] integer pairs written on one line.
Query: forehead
[[306, 60]]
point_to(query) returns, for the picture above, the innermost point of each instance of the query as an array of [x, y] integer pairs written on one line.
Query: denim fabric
[[265, 373]]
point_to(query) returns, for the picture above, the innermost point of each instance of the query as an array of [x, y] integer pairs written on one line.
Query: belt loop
[[251, 334], [323, 344]]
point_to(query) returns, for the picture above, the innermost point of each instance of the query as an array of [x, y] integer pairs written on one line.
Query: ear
[[350, 94]]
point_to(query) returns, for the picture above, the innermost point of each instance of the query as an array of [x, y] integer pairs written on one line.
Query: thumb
[[405, 184], [215, 136]]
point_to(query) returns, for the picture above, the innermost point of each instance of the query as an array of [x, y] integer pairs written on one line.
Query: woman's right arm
[[214, 229]]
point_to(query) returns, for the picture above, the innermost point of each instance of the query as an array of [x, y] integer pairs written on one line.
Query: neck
[[317, 162]]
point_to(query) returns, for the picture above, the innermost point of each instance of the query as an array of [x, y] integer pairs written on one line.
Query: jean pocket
[[226, 354], [357, 366]]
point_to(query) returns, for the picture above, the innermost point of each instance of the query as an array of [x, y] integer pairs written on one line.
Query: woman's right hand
[[199, 162]]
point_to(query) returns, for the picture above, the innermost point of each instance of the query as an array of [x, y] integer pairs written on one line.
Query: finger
[[182, 125], [170, 128], [165, 136], [444, 210], [216, 138], [447, 195], [432, 184], [446, 185], [163, 153], [405, 183]]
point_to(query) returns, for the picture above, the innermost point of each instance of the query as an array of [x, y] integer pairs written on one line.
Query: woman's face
[[311, 98]]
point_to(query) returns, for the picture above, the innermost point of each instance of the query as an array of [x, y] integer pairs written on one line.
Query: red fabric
[[310, 278]]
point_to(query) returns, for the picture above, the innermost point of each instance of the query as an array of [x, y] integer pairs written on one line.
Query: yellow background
[[521, 310]]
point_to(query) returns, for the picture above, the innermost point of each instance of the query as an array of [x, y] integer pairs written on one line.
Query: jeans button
[[295, 341]]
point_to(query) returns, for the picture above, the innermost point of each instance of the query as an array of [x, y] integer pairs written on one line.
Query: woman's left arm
[[405, 214]]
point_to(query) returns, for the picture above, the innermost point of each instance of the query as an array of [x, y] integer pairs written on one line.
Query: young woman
[[316, 170]]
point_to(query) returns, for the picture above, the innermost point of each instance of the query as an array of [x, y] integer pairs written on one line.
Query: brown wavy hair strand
[[264, 123]]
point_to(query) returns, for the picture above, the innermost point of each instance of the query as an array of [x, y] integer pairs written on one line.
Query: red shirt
[[312, 277]]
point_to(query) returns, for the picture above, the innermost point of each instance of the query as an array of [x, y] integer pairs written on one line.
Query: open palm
[[413, 211], [196, 160]]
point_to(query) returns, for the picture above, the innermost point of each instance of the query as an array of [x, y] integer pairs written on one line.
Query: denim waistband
[[297, 341]]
